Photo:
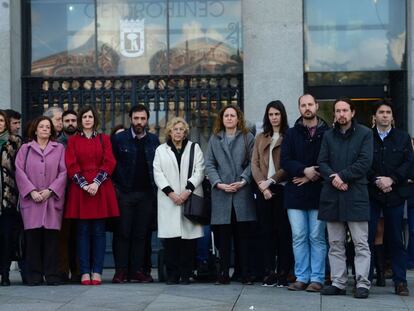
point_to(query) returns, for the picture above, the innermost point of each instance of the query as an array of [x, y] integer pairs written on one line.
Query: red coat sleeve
[[109, 162], [70, 158]]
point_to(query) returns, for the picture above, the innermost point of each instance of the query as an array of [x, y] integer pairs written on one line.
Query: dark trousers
[[393, 217], [275, 235], [179, 257], [8, 225], [68, 258], [41, 255], [410, 220], [241, 232], [132, 230]]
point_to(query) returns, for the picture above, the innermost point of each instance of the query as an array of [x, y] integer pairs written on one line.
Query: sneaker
[[270, 280], [331, 290], [282, 283], [361, 292], [139, 277], [297, 286], [314, 287], [401, 289]]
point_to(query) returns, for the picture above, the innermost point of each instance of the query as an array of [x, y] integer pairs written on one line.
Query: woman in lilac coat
[[41, 179]]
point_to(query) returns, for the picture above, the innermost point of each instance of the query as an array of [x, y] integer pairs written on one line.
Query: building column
[[10, 55], [273, 55]]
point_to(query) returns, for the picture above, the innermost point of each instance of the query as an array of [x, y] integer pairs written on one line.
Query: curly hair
[[241, 123], [172, 123]]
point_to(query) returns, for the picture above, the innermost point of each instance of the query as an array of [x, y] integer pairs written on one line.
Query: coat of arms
[[132, 37]]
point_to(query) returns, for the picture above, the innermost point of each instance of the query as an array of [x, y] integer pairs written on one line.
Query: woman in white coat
[[171, 164]]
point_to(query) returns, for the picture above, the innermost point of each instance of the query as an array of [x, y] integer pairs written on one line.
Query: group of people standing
[[287, 186]]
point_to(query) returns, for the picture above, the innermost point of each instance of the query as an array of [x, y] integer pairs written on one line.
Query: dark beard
[[69, 130], [309, 117], [138, 130]]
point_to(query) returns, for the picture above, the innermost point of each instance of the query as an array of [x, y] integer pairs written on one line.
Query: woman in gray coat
[[232, 206]]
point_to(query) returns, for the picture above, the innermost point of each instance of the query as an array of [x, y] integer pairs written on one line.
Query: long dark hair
[[267, 126]]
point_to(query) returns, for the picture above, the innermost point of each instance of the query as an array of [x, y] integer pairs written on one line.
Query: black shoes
[[331, 290], [5, 281], [361, 293]]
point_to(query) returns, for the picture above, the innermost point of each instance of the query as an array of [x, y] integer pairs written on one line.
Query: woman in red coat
[[91, 198]]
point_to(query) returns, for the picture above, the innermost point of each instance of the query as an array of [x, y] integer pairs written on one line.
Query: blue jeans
[[203, 245], [309, 245], [393, 217], [410, 220], [91, 231]]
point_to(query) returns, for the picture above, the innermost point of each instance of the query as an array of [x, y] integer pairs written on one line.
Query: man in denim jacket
[[134, 150]]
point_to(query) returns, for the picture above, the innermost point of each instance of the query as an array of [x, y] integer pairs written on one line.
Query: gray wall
[[273, 55], [10, 55]]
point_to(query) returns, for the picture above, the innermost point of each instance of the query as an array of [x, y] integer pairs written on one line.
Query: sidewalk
[[208, 297]]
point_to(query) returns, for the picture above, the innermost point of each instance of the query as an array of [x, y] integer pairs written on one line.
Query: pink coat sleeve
[[58, 186], [24, 185]]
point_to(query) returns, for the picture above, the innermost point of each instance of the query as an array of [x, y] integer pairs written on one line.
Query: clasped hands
[[264, 188], [311, 174], [384, 183], [92, 188], [179, 199], [40, 196], [233, 187], [338, 183]]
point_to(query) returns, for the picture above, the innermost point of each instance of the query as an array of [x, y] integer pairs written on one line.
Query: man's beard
[[70, 130], [309, 117], [138, 129]]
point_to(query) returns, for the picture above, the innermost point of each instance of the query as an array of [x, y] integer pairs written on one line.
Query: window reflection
[[354, 35], [135, 37]]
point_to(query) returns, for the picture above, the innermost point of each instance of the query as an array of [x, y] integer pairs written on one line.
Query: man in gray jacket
[[344, 160]]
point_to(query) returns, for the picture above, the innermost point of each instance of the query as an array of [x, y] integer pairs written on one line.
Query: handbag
[[195, 208]]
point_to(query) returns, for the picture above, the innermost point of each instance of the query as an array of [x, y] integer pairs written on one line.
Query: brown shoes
[[297, 286], [314, 287], [401, 289]]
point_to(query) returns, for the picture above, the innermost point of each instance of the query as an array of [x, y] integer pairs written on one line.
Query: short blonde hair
[[173, 122]]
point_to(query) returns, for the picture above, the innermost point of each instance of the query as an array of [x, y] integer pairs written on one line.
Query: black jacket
[[393, 158], [349, 155], [125, 152], [300, 150]]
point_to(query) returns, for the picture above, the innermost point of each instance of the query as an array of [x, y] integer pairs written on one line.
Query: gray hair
[[50, 112]]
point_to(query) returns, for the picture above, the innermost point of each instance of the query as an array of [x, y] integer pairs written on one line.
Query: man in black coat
[[388, 188], [344, 161], [299, 153]]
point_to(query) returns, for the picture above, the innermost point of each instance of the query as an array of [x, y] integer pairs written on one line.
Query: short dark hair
[[139, 107], [6, 120], [267, 126], [68, 112], [379, 103], [33, 127], [85, 109], [13, 114], [346, 100]]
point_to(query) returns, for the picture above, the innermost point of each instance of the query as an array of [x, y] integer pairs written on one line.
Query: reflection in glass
[[354, 35], [63, 38], [135, 37]]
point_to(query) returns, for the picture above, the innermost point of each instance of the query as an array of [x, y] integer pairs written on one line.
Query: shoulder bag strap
[[190, 167]]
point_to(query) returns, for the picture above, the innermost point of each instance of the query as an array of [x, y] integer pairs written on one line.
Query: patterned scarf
[[3, 138]]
